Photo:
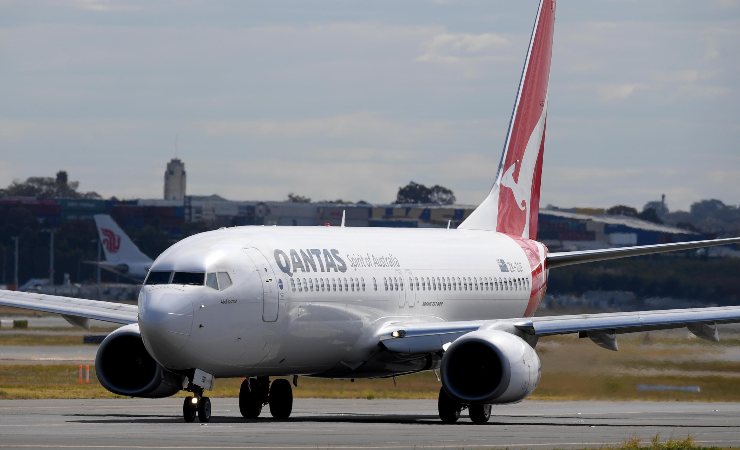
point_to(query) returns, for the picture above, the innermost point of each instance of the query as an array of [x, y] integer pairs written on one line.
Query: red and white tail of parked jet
[[122, 256], [261, 302]]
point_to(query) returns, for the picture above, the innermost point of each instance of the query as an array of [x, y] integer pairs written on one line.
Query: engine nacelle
[[124, 367], [490, 366]]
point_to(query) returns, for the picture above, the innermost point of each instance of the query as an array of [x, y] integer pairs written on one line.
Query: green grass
[[635, 443], [41, 339]]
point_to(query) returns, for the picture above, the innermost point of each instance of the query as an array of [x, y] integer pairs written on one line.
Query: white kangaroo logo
[[522, 189]]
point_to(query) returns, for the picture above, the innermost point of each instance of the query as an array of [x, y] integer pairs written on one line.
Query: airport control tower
[[174, 180]]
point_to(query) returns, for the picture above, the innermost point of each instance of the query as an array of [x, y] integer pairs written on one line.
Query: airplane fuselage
[[311, 300]]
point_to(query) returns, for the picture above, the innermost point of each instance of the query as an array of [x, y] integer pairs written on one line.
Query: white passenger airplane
[[122, 256], [260, 302]]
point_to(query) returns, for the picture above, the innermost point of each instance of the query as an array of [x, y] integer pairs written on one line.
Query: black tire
[[189, 409], [449, 408], [204, 410], [480, 413], [281, 399], [250, 402]]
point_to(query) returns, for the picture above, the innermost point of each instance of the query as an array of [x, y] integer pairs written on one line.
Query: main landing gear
[[196, 406], [257, 392], [450, 409]]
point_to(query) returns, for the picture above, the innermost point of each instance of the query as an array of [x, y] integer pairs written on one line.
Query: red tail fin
[[513, 203]]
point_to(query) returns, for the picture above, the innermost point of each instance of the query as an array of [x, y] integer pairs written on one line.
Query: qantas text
[[310, 260]]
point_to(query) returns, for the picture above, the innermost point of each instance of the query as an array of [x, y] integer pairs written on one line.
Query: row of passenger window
[[328, 284], [461, 283], [416, 283]]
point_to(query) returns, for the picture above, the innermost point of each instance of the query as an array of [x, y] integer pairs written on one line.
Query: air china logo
[[111, 241]]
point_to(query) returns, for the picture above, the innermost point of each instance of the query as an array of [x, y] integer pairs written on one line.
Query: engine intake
[[124, 367], [490, 366]]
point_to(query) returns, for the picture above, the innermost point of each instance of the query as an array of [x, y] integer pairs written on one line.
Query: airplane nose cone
[[165, 321]]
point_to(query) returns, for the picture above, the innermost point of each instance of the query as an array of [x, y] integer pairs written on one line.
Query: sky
[[352, 99]]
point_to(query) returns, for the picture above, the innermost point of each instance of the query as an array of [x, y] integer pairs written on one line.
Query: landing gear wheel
[[449, 408], [189, 409], [204, 410], [281, 399], [480, 413], [250, 401]]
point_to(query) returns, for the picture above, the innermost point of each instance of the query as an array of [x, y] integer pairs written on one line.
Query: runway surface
[[372, 424]]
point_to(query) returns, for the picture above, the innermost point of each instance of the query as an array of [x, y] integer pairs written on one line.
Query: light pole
[[100, 257], [5, 260], [51, 256], [15, 266]]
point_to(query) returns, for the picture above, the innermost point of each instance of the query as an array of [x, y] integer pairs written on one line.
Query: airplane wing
[[601, 328], [561, 259], [75, 310]]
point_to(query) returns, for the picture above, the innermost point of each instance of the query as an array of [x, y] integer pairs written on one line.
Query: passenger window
[[333, 284], [375, 284], [158, 278], [300, 288], [189, 278], [352, 283], [310, 284], [363, 283], [211, 281], [305, 285], [292, 285], [345, 285], [322, 284], [224, 280]]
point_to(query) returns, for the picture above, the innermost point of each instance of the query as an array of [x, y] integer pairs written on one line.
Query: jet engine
[[490, 366], [124, 367]]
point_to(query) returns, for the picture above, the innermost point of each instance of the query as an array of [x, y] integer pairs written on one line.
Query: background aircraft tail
[[118, 247], [513, 203]]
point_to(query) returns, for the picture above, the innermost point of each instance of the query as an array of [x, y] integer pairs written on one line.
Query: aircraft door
[[410, 290], [402, 289], [270, 289]]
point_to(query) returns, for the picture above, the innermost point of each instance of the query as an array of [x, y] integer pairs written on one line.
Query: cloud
[[105, 6], [726, 4], [617, 92], [712, 48], [684, 76], [354, 125], [452, 48]]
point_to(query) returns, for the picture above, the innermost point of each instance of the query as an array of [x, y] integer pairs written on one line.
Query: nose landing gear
[[257, 392]]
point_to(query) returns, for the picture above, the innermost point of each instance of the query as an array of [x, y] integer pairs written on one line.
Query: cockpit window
[[211, 281], [224, 280], [190, 278], [158, 278]]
